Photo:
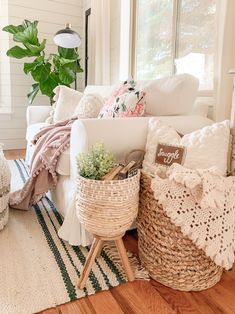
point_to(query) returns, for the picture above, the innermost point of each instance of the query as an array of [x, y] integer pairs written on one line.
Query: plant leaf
[[64, 61], [28, 67], [13, 29], [35, 49], [41, 72], [66, 75], [33, 92], [78, 66], [29, 35], [26, 23], [48, 85], [67, 53], [56, 61], [19, 53]]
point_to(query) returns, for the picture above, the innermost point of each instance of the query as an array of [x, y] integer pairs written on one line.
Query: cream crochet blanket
[[202, 203]]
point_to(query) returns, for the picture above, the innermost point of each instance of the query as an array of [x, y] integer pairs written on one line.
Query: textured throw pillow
[[125, 101], [89, 106], [66, 100], [204, 148], [173, 95]]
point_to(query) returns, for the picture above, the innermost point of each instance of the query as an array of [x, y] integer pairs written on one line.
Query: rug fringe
[[139, 271]]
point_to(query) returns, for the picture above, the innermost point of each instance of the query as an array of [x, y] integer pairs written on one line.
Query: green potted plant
[[48, 71], [96, 163]]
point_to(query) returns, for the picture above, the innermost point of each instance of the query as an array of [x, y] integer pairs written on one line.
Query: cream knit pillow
[[66, 100], [205, 148], [89, 106]]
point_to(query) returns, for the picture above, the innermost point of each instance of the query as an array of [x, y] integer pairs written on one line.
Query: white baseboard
[[13, 144]]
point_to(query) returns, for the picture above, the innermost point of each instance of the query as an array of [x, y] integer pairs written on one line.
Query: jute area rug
[[38, 270]]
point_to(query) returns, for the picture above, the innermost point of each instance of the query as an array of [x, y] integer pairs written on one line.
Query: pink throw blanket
[[50, 143]]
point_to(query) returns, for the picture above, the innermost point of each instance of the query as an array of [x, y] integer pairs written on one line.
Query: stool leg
[[101, 247], [95, 248], [125, 261]]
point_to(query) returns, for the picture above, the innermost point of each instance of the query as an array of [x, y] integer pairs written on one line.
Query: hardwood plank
[[139, 297], [179, 301], [223, 298], [105, 303], [81, 306], [53, 310], [227, 280], [204, 304], [14, 153]]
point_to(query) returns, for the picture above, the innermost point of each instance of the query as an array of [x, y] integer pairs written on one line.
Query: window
[[175, 36], [87, 43]]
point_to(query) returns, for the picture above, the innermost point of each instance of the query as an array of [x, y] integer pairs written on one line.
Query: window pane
[[154, 39], [196, 40]]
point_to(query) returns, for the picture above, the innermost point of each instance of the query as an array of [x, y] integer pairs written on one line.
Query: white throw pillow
[[89, 106], [174, 95], [205, 148], [102, 90], [66, 100]]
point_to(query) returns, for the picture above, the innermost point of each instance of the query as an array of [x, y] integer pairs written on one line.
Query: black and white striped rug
[[38, 270]]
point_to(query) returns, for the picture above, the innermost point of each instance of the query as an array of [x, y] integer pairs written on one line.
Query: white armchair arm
[[36, 114], [202, 105], [120, 135], [78, 144]]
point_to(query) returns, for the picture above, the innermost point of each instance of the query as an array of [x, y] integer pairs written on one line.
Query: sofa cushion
[[33, 129], [66, 103], [89, 106], [63, 165], [102, 90], [201, 146], [174, 95], [66, 100]]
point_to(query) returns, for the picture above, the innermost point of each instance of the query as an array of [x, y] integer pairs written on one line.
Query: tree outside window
[[175, 36]]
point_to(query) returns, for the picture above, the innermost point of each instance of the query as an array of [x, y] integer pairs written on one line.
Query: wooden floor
[[150, 297], [14, 154]]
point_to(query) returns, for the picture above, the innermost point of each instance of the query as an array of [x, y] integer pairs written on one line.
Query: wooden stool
[[95, 251]]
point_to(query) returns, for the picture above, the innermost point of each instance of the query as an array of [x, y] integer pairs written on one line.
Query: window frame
[[87, 16], [175, 39]]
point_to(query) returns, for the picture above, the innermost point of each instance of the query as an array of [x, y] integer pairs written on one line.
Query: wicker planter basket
[[5, 178], [107, 208], [170, 258]]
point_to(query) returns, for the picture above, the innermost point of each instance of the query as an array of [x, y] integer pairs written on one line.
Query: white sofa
[[120, 135]]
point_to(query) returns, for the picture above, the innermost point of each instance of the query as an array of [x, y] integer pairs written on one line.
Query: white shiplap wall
[[5, 86], [52, 16]]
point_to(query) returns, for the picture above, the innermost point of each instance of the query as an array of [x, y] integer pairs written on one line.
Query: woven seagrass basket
[[107, 208], [171, 258]]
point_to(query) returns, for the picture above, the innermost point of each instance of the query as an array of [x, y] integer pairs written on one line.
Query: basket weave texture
[[171, 258], [5, 178], [107, 208]]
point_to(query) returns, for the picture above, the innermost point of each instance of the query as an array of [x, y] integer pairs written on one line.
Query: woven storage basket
[[107, 208], [4, 190], [171, 258]]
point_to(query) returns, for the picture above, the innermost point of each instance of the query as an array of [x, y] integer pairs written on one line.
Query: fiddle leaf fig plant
[[48, 71]]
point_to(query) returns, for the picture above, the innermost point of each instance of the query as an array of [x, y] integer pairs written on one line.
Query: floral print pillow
[[125, 101]]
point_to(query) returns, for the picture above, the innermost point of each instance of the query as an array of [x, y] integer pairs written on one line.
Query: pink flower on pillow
[[125, 101]]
